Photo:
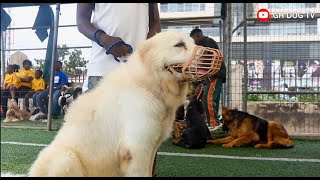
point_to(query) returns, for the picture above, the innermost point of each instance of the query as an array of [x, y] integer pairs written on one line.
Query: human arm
[[28, 78], [86, 27], [154, 24]]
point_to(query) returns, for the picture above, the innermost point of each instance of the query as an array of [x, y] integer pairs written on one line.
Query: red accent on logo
[[263, 15]]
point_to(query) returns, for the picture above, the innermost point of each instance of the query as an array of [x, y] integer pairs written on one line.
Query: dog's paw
[[258, 146], [227, 145], [174, 142]]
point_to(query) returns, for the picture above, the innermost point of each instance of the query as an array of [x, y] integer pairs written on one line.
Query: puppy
[[116, 128], [197, 132], [14, 113], [246, 129]]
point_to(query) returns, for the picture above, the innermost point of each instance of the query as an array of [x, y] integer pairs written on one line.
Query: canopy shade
[[10, 5]]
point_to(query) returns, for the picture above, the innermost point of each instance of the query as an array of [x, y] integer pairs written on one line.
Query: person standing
[[130, 23], [213, 85], [127, 23]]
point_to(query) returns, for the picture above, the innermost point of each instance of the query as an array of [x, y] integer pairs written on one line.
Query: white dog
[[116, 129]]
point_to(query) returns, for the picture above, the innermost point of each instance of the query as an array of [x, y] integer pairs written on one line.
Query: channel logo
[[263, 15]]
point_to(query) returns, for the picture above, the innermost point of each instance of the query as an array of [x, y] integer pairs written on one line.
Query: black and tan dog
[[246, 129]]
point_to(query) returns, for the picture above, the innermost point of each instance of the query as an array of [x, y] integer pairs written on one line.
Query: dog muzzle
[[204, 63]]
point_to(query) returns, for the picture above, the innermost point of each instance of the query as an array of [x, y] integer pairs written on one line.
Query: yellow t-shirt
[[25, 73], [12, 79], [38, 84]]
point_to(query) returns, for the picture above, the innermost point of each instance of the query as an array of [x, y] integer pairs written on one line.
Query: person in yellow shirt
[[38, 85], [11, 78], [11, 81], [26, 75]]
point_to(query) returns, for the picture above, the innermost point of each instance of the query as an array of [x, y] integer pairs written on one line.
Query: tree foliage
[[73, 62], [39, 64]]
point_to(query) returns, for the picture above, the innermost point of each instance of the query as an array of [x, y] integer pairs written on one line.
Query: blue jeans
[[34, 100], [42, 101]]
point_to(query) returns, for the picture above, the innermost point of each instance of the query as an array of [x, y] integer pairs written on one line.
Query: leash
[[116, 43], [200, 92]]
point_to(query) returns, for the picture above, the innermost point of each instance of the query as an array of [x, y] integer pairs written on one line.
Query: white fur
[[116, 129]]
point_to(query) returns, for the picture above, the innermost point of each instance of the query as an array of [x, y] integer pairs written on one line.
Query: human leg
[[41, 98], [26, 100], [205, 103], [34, 100], [5, 94], [93, 81], [55, 97], [13, 92], [210, 106], [216, 98]]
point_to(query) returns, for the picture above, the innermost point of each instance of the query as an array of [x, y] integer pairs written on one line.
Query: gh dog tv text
[[264, 15]]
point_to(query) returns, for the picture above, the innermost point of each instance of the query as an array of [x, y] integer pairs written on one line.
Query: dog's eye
[[180, 44]]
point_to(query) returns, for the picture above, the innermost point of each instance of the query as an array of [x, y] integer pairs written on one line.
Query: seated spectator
[[60, 79], [25, 75], [38, 85], [11, 81]]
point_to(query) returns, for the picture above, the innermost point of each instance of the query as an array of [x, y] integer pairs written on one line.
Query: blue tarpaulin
[[43, 22]]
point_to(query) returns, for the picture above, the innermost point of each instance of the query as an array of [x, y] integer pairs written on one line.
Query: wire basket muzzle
[[204, 63]]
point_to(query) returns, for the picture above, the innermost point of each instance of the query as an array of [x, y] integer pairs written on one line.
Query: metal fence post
[[229, 51], [245, 73], [53, 61], [3, 60]]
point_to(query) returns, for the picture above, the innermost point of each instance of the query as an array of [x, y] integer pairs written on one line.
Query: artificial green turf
[[56, 124], [27, 135], [168, 166], [18, 158]]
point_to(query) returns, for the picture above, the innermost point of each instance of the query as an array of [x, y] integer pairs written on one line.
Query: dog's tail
[[8, 174]]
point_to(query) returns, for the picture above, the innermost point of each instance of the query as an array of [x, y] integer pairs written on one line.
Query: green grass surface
[[18, 158], [56, 123]]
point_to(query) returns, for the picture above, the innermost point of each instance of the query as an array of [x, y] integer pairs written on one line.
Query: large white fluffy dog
[[116, 129]]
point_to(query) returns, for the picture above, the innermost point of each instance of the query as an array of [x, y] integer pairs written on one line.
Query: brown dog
[[246, 129], [14, 113]]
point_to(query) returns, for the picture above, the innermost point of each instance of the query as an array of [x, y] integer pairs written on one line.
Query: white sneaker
[[215, 128]]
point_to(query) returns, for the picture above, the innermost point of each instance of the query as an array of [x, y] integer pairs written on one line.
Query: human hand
[[118, 50]]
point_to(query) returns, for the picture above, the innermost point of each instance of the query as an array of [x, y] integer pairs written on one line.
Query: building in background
[[282, 52]]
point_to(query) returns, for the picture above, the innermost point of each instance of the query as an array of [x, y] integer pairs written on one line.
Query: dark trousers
[[5, 94], [211, 99]]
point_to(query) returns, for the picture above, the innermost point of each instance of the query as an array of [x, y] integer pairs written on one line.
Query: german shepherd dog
[[246, 129], [196, 134]]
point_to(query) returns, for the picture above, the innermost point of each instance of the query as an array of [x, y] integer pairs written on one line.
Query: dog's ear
[[224, 109], [236, 109], [144, 48]]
